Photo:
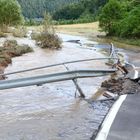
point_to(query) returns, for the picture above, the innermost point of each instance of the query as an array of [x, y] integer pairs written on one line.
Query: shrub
[[49, 41], [5, 60], [20, 32], [2, 34], [48, 38], [11, 48], [35, 35], [10, 43]]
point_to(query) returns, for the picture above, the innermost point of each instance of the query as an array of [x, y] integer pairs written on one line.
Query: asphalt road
[[126, 125]]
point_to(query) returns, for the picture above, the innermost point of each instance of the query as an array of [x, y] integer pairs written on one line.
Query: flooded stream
[[51, 112]]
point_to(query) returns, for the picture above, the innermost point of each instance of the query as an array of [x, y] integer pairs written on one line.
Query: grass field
[[75, 29], [92, 30], [80, 29]]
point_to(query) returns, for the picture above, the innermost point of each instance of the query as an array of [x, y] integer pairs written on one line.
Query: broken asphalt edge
[[106, 125]]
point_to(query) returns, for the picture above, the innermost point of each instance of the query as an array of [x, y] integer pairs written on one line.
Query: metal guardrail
[[69, 75], [39, 80], [113, 54], [54, 65]]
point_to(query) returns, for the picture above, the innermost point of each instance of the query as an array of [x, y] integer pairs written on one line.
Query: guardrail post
[[82, 95]]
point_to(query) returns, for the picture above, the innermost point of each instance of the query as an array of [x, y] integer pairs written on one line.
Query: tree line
[[116, 17], [83, 9], [36, 8]]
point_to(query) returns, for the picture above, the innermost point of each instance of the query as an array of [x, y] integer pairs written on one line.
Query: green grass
[[130, 41]]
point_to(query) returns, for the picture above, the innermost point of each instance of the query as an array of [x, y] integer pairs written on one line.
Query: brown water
[[51, 112]]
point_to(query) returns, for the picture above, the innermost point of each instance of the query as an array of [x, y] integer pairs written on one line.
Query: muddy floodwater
[[50, 111]]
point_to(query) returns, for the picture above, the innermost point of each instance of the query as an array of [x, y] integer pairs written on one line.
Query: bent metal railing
[[49, 78], [58, 64], [56, 77]]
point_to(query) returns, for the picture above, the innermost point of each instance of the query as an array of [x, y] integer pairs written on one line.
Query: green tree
[[110, 15], [130, 25], [10, 13], [36, 8], [72, 11]]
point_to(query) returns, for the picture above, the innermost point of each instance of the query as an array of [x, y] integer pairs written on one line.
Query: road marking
[[105, 128], [136, 75]]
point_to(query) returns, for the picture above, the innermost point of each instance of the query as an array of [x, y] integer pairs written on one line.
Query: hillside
[[36, 8]]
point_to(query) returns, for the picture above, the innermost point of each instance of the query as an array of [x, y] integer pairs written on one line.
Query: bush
[[2, 34], [20, 32], [48, 38], [49, 41], [5, 60], [35, 35], [10, 43], [11, 48]]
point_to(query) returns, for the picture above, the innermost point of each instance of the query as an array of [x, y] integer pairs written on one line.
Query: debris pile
[[10, 49], [122, 86]]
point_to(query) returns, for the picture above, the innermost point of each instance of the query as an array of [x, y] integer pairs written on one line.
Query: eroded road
[[50, 112]]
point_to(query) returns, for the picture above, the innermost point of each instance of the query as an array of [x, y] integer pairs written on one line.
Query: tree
[[71, 11], [10, 13], [130, 25], [84, 9], [36, 8], [111, 13], [121, 18]]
